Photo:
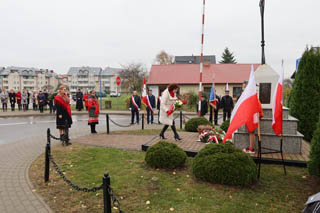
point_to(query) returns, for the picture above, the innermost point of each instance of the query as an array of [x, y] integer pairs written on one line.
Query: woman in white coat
[[168, 100]]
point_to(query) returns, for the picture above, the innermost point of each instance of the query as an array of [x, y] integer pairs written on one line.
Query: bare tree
[[132, 76], [164, 58]]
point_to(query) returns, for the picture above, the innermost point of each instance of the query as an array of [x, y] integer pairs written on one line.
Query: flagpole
[[201, 58]]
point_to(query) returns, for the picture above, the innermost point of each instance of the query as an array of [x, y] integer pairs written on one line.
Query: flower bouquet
[[177, 105], [212, 136]]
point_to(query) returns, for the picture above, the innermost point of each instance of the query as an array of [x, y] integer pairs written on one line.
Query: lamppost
[[100, 76], [263, 60]]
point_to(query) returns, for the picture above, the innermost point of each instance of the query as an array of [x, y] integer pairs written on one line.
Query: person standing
[[227, 105], [85, 99], [63, 118], [12, 98], [18, 96], [152, 100], [135, 105], [50, 102], [204, 107], [93, 109], [214, 110], [158, 107], [4, 100], [35, 101], [79, 99], [168, 100], [24, 100], [42, 101], [28, 100]]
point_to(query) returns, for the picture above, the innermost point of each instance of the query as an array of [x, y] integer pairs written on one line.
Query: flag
[[212, 98], [247, 109], [277, 106], [145, 97], [227, 86]]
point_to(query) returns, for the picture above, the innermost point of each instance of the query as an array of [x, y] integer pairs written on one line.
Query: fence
[[108, 193]]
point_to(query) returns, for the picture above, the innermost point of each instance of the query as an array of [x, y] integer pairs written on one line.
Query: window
[[236, 92]]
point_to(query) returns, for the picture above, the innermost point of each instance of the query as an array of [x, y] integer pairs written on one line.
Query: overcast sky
[[58, 34]]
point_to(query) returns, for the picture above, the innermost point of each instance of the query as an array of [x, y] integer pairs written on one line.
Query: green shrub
[[314, 163], [225, 125], [223, 164], [193, 123], [165, 155], [305, 95]]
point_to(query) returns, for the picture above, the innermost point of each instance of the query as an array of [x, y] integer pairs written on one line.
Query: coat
[[63, 119], [42, 99], [227, 103], [12, 97], [93, 109], [24, 98], [4, 97], [18, 95], [137, 100], [166, 102]]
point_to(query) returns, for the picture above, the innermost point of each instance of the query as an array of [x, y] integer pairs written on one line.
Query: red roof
[[190, 73]]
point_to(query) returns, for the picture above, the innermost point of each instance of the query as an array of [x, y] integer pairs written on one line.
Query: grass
[[135, 183]]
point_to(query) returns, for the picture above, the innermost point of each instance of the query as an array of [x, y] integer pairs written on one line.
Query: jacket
[[167, 101]]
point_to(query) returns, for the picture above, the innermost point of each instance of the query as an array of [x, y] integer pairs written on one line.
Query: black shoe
[[177, 138], [162, 137]]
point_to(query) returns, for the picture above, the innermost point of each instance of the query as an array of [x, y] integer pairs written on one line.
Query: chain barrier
[[55, 137], [120, 125], [186, 117], [176, 117], [72, 185], [115, 201]]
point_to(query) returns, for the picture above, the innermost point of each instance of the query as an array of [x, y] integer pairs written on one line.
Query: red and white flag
[[247, 109], [145, 97], [277, 106]]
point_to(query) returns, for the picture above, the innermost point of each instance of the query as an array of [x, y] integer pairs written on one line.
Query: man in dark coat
[[41, 100], [227, 105], [12, 98], [79, 99], [135, 105], [204, 106], [152, 100], [214, 111], [28, 100]]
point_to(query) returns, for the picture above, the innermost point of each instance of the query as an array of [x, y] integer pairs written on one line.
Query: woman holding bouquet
[[167, 107]]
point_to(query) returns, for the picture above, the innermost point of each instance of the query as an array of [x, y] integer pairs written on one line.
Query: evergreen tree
[[314, 163], [304, 99], [227, 57]]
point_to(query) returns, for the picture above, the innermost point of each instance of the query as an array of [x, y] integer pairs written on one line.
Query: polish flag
[[277, 106], [246, 110], [145, 97]]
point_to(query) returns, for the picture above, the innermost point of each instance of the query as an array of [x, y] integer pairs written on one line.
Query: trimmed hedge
[[225, 125], [193, 123], [165, 155], [314, 163], [223, 164]]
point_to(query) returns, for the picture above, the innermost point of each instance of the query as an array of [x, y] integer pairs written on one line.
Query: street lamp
[[263, 60], [100, 88]]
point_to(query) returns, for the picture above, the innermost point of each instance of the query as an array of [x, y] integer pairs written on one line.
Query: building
[[88, 78], [207, 59], [187, 77], [19, 78]]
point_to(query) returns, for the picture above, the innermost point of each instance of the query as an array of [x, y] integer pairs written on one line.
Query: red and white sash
[[149, 105], [134, 103]]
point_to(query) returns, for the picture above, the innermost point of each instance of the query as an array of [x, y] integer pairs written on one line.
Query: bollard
[[47, 161], [142, 122], [106, 194], [180, 119], [107, 123]]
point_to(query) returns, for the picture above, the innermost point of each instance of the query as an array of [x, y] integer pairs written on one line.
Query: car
[[114, 94]]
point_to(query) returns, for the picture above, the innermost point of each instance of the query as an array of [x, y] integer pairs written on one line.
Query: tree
[[227, 57], [287, 87], [304, 101], [314, 163], [164, 58], [132, 76]]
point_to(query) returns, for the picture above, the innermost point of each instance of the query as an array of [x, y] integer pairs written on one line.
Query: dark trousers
[[173, 127], [225, 113], [20, 107], [51, 108], [216, 117], [149, 113], [13, 105], [41, 108], [93, 128], [133, 113], [25, 107], [4, 106]]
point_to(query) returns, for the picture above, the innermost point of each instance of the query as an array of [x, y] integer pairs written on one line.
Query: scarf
[[64, 102]]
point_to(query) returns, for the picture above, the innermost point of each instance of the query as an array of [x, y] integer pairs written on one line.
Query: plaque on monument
[[265, 93]]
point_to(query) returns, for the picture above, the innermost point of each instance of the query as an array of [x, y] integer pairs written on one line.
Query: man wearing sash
[[152, 101], [135, 104]]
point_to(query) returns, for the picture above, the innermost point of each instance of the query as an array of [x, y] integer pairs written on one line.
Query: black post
[[180, 119], [142, 122], [263, 60], [107, 122], [106, 194], [47, 161]]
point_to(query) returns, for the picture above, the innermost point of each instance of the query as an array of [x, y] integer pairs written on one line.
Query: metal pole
[[201, 58], [262, 3], [142, 122], [106, 194], [100, 89], [180, 119], [47, 160], [107, 122]]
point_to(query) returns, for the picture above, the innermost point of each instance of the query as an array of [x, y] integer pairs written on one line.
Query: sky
[[60, 34]]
